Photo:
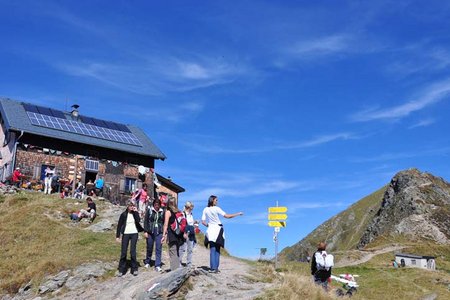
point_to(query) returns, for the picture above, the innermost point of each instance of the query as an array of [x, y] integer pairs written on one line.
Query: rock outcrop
[[416, 205]]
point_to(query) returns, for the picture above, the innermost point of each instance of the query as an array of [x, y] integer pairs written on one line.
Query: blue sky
[[311, 104]]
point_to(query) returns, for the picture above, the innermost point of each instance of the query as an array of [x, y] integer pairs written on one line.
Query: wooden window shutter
[[122, 185], [37, 172], [138, 184]]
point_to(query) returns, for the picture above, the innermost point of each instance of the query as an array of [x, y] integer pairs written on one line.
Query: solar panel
[[57, 113], [123, 127], [104, 124], [99, 123], [44, 111], [31, 108], [112, 125], [83, 129]]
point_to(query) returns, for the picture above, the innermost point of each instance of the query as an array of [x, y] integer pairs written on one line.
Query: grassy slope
[[378, 280], [34, 245], [342, 231]]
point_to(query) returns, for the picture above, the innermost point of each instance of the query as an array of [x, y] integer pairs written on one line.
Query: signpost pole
[[276, 247], [277, 219]]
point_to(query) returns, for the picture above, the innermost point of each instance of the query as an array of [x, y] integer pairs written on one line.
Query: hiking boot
[[120, 274], [135, 273], [158, 269], [147, 266]]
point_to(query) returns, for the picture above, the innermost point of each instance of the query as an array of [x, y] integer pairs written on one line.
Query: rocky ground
[[235, 279]]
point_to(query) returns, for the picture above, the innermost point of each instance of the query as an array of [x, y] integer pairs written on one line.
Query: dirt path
[[233, 281], [366, 255]]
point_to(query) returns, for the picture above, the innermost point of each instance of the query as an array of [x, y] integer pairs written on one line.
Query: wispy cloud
[[256, 188], [157, 75], [321, 46], [422, 123], [420, 58], [401, 155], [165, 112], [431, 95], [313, 142]]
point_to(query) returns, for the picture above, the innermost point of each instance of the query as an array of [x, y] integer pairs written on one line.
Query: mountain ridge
[[414, 205]]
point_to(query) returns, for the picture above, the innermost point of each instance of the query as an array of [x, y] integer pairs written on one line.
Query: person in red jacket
[[16, 177]]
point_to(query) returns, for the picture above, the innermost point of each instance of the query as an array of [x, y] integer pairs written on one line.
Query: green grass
[[346, 228], [378, 279], [34, 245]]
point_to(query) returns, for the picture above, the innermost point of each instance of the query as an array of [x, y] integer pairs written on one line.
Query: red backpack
[[179, 225]]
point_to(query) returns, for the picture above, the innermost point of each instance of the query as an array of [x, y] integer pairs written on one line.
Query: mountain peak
[[415, 205]]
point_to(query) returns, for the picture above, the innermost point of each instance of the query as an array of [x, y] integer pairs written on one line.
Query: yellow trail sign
[[278, 209], [276, 224], [277, 217]]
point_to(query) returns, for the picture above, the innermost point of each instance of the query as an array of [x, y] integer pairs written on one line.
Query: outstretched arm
[[229, 216]]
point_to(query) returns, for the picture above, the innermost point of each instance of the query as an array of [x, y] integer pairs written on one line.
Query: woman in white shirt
[[214, 233], [189, 234]]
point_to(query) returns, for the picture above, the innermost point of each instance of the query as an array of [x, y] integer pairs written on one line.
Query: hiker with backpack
[[321, 265], [215, 234], [153, 232], [189, 235], [173, 230]]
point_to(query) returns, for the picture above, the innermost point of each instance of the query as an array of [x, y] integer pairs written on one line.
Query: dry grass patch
[[34, 245], [296, 287]]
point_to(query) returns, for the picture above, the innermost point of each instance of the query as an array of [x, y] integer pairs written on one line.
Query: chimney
[[74, 111]]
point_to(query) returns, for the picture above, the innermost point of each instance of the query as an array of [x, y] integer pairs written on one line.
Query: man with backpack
[[321, 265]]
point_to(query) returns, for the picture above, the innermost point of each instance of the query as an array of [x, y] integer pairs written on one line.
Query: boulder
[[101, 226], [54, 283], [86, 274], [166, 285]]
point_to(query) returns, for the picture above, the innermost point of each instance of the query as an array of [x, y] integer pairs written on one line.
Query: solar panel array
[[50, 118]]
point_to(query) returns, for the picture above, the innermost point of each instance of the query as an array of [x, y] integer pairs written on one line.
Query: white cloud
[[431, 95], [194, 71], [422, 123], [313, 142], [401, 155], [156, 75], [420, 58], [166, 111], [321, 46], [256, 188]]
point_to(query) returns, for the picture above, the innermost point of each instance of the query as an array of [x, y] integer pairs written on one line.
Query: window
[[413, 261], [130, 185], [91, 165]]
